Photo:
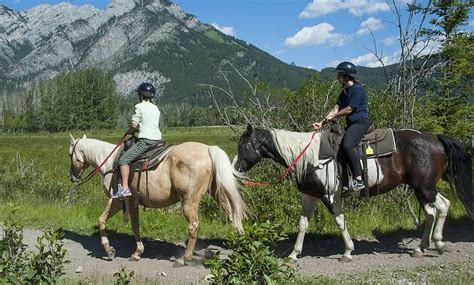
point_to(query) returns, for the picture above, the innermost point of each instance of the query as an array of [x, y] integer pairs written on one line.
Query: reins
[[287, 172], [96, 170]]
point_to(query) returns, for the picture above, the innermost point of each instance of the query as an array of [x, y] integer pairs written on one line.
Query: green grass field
[[34, 172]]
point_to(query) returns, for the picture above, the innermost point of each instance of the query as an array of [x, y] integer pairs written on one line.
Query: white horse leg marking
[[442, 205], [308, 204], [341, 224], [112, 207], [430, 214]]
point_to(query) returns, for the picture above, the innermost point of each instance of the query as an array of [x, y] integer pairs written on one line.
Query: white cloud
[[471, 23], [389, 41], [370, 25], [278, 52], [322, 7], [370, 60], [226, 30], [315, 35]]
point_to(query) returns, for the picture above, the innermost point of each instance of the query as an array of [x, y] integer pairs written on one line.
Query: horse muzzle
[[73, 178]]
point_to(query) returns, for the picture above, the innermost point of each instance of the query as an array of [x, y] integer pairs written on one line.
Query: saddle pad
[[381, 142], [152, 158]]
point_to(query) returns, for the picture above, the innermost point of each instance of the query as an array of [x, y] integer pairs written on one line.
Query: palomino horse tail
[[224, 187], [459, 171]]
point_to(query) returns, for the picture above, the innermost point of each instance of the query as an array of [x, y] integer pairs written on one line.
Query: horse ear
[[249, 128], [72, 138], [84, 136]]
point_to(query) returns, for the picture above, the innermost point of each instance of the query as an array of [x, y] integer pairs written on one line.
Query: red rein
[[96, 170]]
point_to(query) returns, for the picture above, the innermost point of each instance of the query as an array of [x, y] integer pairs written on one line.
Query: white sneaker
[[357, 185], [122, 193]]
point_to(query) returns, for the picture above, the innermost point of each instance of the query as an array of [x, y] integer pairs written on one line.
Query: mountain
[[135, 41], [373, 77]]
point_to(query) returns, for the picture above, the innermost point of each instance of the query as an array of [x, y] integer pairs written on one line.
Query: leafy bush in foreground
[[251, 259], [19, 267]]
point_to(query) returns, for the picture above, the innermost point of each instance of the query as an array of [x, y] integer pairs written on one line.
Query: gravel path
[[320, 257]]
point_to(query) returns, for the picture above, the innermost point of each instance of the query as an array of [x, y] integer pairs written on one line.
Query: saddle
[[375, 143], [149, 160]]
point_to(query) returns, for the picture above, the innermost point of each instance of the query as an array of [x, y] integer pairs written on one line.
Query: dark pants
[[354, 134]]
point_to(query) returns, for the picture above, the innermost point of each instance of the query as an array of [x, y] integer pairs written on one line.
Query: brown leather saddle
[[152, 157], [149, 160]]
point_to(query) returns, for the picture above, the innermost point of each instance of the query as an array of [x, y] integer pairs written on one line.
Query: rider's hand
[[131, 130], [317, 126]]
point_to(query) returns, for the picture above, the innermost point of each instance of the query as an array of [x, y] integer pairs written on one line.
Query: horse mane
[[96, 149], [290, 144]]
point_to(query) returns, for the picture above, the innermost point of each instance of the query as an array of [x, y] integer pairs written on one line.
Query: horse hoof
[[179, 263], [111, 254], [134, 258], [291, 260], [442, 250], [345, 259], [416, 254]]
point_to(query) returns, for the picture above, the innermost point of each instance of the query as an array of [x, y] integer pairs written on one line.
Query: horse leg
[[113, 206], [341, 224], [191, 214], [442, 205], [308, 204], [430, 214], [134, 215]]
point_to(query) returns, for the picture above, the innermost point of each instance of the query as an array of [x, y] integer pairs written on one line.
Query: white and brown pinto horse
[[419, 161], [188, 171]]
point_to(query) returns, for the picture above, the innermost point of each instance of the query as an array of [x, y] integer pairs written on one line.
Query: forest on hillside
[[430, 92]]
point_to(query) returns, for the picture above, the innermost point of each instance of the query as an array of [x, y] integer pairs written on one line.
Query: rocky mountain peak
[[134, 40]]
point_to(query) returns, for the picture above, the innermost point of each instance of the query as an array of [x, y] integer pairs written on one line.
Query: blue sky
[[311, 33]]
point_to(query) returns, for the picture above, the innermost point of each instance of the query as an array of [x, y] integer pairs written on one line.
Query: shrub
[[123, 276], [251, 259], [12, 249], [19, 267]]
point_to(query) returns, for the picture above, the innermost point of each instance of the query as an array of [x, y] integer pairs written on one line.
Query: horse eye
[[248, 145]]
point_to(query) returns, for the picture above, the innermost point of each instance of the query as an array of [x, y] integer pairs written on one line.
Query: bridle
[[73, 153], [95, 170], [288, 169]]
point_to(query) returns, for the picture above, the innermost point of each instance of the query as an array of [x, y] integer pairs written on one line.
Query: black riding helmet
[[346, 68], [146, 90]]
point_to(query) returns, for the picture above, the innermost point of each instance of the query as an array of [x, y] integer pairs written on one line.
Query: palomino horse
[[419, 161], [188, 171]]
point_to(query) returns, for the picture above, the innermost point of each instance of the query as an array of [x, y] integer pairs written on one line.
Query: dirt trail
[[320, 257]]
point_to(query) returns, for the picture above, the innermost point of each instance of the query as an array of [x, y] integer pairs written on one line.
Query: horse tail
[[224, 188], [459, 171]]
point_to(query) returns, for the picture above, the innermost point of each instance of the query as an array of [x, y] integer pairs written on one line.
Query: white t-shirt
[[147, 117]]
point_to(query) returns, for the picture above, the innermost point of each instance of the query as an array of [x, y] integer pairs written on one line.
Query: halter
[[72, 155]]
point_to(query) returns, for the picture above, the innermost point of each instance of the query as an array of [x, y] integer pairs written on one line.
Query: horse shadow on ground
[[400, 241], [124, 245]]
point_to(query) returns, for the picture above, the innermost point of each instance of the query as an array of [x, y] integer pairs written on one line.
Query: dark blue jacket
[[356, 97]]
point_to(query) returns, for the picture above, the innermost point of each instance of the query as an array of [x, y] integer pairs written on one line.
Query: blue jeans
[[354, 134]]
